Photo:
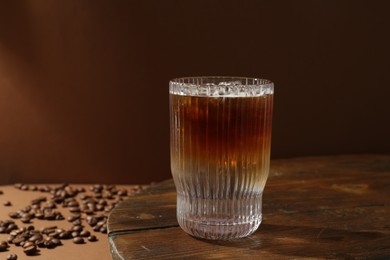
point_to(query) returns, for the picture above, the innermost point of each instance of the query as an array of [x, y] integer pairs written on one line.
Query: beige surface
[[69, 250]]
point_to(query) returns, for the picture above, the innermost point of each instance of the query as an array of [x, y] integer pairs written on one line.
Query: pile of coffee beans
[[85, 208]]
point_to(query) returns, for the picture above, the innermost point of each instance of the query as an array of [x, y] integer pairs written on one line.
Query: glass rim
[[220, 86], [203, 80]]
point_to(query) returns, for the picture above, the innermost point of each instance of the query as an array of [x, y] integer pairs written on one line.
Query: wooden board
[[335, 207]]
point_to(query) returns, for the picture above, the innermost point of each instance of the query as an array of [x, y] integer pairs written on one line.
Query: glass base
[[219, 219]]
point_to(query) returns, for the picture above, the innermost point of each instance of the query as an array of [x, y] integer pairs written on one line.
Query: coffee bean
[[85, 233], [30, 228], [50, 244], [27, 244], [77, 228], [96, 228], [74, 209], [1, 192], [3, 248], [84, 196], [92, 238], [18, 240], [12, 257], [38, 200], [39, 215], [11, 227], [33, 188], [54, 234], [48, 230], [40, 243], [18, 185], [78, 240], [103, 229], [25, 220], [65, 235], [31, 250], [56, 241], [7, 203], [73, 217], [13, 215], [35, 238], [4, 243], [75, 234], [122, 193], [73, 203]]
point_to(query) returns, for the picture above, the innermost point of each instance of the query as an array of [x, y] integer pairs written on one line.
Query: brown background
[[83, 84]]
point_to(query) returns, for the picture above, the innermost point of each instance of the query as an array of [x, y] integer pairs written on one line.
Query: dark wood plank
[[314, 207], [154, 207]]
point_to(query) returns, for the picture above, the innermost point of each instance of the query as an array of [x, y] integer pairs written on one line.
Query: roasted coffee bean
[[13, 215], [4, 243], [18, 185], [81, 189], [99, 207], [3, 248], [24, 187], [31, 250], [122, 193], [27, 244], [14, 233], [92, 238], [54, 234], [73, 217], [103, 229], [30, 228], [38, 200], [12, 257], [1, 192], [77, 222], [73, 204], [56, 241], [3, 230], [65, 235], [9, 239], [85, 233], [89, 211], [77, 228], [78, 240], [7, 203], [33, 188], [97, 228], [25, 220], [84, 196], [40, 243], [18, 240], [74, 209], [47, 230], [39, 215], [75, 234], [35, 238], [11, 227], [50, 244], [49, 216]]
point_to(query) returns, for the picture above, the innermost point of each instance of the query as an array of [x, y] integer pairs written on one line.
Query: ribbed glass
[[220, 151]]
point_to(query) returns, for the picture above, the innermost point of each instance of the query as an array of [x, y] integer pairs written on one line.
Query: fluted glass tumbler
[[220, 131]]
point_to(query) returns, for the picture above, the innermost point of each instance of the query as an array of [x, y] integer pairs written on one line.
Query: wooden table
[[335, 207]]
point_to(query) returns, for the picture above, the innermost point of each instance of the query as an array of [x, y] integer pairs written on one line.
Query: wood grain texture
[[335, 207]]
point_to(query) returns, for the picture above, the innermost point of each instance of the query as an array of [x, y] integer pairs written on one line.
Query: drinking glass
[[220, 137]]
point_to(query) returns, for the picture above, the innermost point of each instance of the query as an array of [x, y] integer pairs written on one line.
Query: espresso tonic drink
[[220, 153]]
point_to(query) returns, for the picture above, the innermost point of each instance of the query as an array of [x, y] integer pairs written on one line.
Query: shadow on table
[[314, 242]]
